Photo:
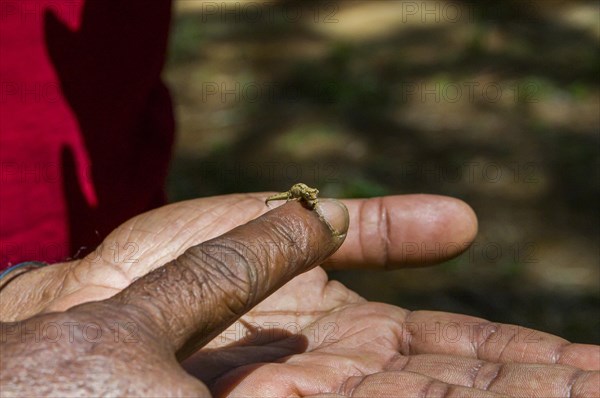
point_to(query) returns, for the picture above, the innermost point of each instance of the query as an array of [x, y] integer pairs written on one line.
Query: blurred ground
[[496, 103]]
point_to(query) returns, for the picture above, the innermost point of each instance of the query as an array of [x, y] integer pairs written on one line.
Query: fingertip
[[447, 226], [335, 215], [461, 219]]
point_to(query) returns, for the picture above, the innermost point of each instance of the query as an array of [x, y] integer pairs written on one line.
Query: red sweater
[[86, 125]]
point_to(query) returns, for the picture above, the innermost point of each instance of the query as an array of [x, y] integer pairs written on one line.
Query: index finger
[[192, 299]]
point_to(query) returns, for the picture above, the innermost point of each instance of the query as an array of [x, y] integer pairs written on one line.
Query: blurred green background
[[495, 103]]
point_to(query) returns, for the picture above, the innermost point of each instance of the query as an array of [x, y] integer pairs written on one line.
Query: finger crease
[[558, 353], [487, 340], [397, 362], [501, 354], [384, 226], [434, 388], [360, 233], [576, 375], [474, 372], [407, 336], [494, 378]]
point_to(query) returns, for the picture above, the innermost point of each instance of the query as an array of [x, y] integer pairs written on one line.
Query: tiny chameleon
[[301, 192], [307, 196]]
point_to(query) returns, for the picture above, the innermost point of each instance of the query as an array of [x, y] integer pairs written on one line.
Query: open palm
[[314, 336]]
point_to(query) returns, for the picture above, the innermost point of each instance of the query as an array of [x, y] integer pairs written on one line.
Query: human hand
[[317, 338], [173, 310], [388, 232], [310, 301]]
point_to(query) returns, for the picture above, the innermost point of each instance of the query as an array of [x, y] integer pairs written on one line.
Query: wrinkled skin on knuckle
[[213, 279], [179, 284], [231, 271], [289, 239]]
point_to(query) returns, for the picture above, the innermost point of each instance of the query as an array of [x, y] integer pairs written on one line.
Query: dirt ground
[[496, 103]]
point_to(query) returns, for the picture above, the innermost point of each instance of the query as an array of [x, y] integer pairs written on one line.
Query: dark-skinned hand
[[121, 320]]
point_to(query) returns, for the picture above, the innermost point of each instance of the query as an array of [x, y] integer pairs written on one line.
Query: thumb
[[192, 299]]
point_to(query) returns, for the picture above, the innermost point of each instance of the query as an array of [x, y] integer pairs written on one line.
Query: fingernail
[[335, 214]]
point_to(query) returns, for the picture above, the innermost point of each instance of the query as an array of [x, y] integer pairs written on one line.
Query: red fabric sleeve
[[86, 124]]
